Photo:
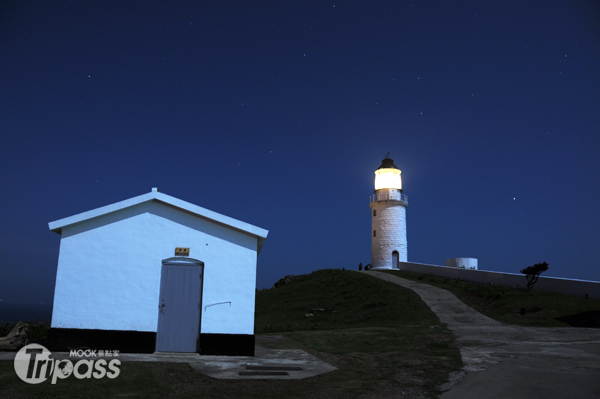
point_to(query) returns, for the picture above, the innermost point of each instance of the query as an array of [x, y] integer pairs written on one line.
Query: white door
[[179, 307]]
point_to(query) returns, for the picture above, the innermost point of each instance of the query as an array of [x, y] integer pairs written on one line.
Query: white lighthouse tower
[[388, 215]]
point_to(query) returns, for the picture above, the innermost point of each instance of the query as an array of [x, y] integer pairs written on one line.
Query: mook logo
[[34, 364]]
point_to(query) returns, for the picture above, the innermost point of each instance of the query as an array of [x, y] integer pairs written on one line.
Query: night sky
[[278, 113]]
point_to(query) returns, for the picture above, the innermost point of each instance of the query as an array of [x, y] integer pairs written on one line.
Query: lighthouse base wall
[[388, 235]]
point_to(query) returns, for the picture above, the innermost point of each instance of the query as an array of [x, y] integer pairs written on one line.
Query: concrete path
[[268, 363], [506, 361]]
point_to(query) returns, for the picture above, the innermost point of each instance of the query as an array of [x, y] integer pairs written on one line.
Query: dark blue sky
[[278, 113]]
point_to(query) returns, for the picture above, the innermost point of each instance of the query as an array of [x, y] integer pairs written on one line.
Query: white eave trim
[[261, 234]]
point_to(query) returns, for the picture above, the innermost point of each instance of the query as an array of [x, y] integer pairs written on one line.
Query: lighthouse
[[388, 218]]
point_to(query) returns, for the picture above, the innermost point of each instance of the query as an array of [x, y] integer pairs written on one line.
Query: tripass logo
[[34, 364]]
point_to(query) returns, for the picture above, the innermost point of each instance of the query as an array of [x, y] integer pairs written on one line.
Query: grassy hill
[[338, 300], [382, 337], [517, 306]]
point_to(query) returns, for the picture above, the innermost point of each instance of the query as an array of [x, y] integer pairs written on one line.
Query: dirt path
[[506, 361]]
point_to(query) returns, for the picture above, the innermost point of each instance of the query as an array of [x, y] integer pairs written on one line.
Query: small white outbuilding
[[155, 274], [462, 263]]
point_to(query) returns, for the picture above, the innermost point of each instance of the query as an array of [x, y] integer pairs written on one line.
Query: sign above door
[[182, 251]]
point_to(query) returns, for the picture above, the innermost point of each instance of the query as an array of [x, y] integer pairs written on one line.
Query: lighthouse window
[[374, 233], [374, 212]]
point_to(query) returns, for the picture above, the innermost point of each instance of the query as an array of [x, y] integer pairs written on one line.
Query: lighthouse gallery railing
[[389, 196]]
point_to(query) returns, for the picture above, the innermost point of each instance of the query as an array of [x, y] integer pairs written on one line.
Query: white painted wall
[[548, 284], [109, 270], [390, 227], [462, 263]]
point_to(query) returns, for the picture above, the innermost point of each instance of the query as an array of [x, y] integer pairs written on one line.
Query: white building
[[155, 273], [388, 215], [462, 263]]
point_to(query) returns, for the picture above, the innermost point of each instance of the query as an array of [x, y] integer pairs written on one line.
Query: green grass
[[517, 306], [338, 300], [135, 380], [356, 317], [382, 338]]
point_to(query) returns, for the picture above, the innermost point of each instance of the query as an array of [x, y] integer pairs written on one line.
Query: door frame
[[179, 261]]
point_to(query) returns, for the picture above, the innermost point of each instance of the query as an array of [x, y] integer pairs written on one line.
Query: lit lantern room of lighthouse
[[388, 215]]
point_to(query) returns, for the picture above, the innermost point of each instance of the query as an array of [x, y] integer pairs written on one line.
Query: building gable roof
[[155, 195]]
